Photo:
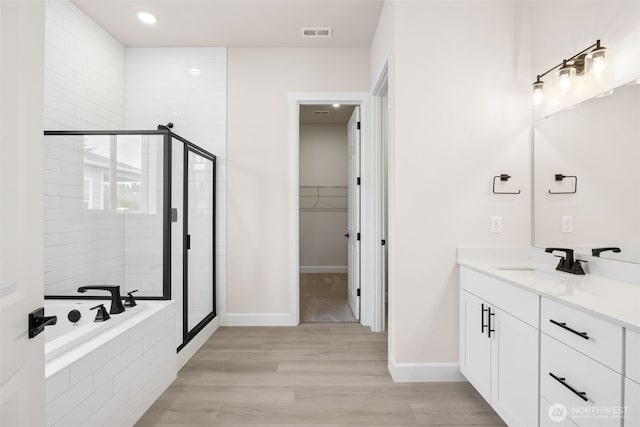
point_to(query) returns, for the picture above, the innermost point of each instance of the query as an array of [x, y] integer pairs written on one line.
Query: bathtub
[[107, 373]]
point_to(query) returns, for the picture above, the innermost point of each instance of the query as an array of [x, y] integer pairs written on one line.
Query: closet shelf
[[323, 198]]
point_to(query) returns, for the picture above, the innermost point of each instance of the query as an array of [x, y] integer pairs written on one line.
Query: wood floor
[[323, 298], [332, 374]]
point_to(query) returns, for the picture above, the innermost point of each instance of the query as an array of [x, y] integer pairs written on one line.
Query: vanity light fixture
[[336, 105], [591, 61]]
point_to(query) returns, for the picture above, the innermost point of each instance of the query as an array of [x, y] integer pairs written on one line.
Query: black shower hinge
[[358, 181], [383, 242], [358, 236], [358, 125], [358, 292]]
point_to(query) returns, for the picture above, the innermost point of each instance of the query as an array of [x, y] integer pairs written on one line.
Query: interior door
[[22, 396], [354, 212]]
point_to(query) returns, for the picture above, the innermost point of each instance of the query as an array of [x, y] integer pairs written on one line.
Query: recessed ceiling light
[[336, 105], [195, 71], [147, 17]]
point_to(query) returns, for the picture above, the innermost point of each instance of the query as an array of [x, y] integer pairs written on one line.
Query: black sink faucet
[[568, 263], [597, 251], [116, 301]]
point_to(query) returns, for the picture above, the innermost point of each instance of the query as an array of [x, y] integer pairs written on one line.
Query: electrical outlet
[[567, 224], [496, 224]]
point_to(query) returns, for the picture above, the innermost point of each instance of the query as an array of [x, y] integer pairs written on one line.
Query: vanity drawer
[[517, 302], [632, 403], [551, 418], [633, 356], [604, 342], [602, 387]]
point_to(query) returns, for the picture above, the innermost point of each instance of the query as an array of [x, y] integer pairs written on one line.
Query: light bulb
[[336, 105], [538, 93], [599, 65], [565, 76]]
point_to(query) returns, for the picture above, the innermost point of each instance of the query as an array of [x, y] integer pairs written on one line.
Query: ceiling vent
[[316, 32], [321, 113]]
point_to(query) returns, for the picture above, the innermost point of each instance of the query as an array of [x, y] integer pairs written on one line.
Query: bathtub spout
[[116, 301]]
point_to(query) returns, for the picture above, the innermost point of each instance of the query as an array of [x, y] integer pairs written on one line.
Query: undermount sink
[[530, 273]]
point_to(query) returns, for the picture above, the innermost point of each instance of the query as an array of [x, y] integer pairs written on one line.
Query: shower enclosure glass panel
[[200, 232], [103, 213]]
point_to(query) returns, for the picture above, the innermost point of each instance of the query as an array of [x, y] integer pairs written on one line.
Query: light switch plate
[[567, 224], [496, 224]]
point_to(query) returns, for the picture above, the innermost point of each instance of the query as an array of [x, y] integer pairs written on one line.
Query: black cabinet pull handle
[[482, 325], [565, 327], [491, 314], [581, 394]]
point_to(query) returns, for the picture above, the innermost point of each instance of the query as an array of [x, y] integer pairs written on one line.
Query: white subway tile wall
[[84, 89], [119, 379], [188, 87]]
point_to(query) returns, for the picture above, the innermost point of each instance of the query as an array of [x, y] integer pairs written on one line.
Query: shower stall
[[134, 209]]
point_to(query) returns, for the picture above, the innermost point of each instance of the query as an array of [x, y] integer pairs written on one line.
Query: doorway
[[329, 213]]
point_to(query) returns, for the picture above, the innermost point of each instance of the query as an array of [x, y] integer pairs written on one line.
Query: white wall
[[84, 89], [258, 174], [161, 87], [614, 22], [453, 127], [323, 161]]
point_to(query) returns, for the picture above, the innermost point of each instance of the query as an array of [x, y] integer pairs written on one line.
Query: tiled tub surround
[[108, 373], [583, 329]]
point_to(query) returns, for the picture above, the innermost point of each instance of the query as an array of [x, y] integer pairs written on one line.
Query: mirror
[[587, 176]]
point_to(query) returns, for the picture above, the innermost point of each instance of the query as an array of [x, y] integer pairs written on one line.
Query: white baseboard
[[198, 341], [323, 269], [260, 319], [425, 372]]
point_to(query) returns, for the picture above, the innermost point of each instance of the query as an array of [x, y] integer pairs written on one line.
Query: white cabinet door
[[475, 349], [632, 403], [514, 370]]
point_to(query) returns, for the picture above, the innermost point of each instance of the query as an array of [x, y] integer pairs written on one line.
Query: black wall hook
[[503, 177], [559, 178]]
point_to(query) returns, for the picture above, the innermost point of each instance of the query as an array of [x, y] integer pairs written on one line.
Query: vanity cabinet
[[498, 350], [632, 380]]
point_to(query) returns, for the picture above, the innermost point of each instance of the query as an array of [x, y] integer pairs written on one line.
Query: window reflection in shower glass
[[103, 213]]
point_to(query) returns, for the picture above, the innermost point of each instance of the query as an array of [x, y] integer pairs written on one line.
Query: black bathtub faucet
[[116, 300]]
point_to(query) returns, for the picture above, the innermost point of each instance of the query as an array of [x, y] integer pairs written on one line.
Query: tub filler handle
[[102, 314], [37, 321]]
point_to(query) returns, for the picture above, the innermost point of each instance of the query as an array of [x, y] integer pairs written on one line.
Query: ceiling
[[340, 115], [236, 23]]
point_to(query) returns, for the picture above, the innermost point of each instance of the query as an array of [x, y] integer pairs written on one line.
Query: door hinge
[[358, 292], [358, 236], [188, 241], [383, 242], [358, 181], [358, 126]]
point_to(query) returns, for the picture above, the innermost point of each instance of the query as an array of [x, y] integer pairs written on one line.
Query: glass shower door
[[200, 240]]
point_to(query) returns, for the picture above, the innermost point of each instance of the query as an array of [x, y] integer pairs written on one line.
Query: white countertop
[[612, 300]]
